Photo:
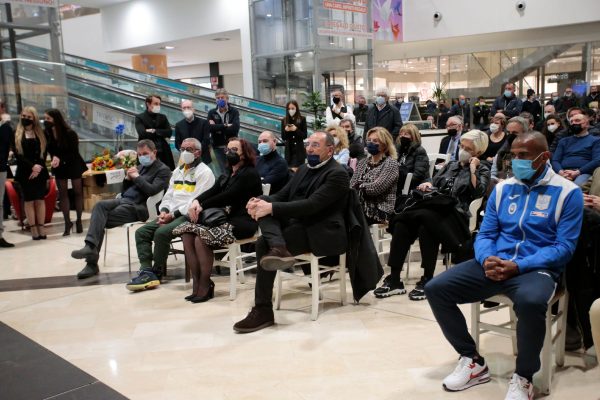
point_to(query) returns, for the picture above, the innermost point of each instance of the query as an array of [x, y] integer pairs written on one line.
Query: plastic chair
[[49, 200], [433, 157], [151, 203]]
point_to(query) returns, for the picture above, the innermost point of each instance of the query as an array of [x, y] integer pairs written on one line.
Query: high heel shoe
[[41, 237], [209, 295], [68, 228], [33, 233], [78, 226], [190, 297]]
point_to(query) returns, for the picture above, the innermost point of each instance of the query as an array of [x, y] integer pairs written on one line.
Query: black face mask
[[575, 129], [336, 100], [48, 124], [233, 158], [26, 122], [405, 141], [452, 132], [511, 138]]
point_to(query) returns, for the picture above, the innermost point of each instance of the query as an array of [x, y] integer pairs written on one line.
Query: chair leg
[[278, 288], [343, 294], [513, 326], [105, 245], [128, 251], [316, 283], [561, 326], [546, 356], [232, 262], [475, 309]]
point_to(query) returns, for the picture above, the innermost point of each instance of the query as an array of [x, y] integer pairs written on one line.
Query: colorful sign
[[38, 3], [346, 18], [387, 20]]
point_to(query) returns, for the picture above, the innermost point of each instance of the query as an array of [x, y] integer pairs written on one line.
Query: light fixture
[[269, 15], [349, 39], [332, 43], [220, 39], [167, 47]]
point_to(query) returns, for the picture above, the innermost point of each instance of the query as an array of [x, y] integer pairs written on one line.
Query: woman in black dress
[[67, 163], [293, 132], [231, 192], [32, 175]]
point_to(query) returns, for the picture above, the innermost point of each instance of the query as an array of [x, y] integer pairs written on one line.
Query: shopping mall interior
[[98, 62]]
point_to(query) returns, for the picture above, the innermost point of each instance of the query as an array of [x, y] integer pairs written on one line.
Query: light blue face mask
[[145, 160], [507, 93], [462, 102], [523, 169], [264, 149], [380, 100]]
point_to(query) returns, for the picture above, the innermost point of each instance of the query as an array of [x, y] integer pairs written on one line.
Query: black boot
[[90, 269], [258, 318], [85, 252]]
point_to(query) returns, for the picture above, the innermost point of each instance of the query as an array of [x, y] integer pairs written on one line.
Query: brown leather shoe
[[258, 318], [277, 258]]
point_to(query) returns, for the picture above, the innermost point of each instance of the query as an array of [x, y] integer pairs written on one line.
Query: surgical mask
[[568, 94], [575, 129], [464, 156], [292, 112], [336, 100], [233, 158], [313, 159], [507, 93], [373, 148], [156, 109], [221, 103], [546, 115], [264, 148], [523, 169], [380, 100], [336, 141], [188, 114], [494, 128], [187, 157], [554, 98], [405, 141], [552, 127], [462, 102], [146, 160], [26, 122], [452, 132]]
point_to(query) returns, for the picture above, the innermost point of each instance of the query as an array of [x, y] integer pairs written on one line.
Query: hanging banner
[[387, 20], [37, 3], [346, 18]]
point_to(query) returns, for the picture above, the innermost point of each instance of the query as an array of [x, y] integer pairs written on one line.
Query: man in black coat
[[153, 125], [592, 97], [224, 123], [383, 114], [450, 144], [192, 126], [140, 183], [306, 216]]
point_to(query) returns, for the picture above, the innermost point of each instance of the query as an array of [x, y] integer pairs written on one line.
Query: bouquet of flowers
[[126, 159], [103, 162]]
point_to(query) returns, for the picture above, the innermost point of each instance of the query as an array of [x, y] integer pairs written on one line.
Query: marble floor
[[155, 345]]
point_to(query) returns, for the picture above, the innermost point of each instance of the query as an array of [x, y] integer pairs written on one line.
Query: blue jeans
[[582, 179], [466, 283]]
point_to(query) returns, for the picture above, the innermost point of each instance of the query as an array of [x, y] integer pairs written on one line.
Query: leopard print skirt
[[215, 237]]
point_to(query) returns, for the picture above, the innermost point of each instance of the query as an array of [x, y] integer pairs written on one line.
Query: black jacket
[[588, 99], [218, 131], [357, 146], [444, 147], [71, 163], [481, 116], [152, 179], [273, 169], [415, 161], [362, 260], [388, 118], [534, 108], [511, 107], [198, 128], [295, 154], [6, 140], [462, 111], [321, 208], [160, 137], [360, 113], [458, 177]]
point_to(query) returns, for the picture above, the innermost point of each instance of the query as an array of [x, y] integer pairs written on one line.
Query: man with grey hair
[[271, 167], [306, 216], [224, 123], [450, 144], [188, 181], [463, 109], [382, 114], [192, 126], [508, 103]]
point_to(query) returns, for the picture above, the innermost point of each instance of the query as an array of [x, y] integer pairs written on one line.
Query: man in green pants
[[188, 181]]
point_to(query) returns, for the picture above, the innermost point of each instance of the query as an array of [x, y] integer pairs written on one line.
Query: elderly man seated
[[577, 155], [529, 233], [307, 215], [188, 181]]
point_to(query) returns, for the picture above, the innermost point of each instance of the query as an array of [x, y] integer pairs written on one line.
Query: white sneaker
[[466, 374], [519, 389]]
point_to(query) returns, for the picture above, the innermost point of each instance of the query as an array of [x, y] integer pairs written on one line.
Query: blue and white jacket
[[535, 226]]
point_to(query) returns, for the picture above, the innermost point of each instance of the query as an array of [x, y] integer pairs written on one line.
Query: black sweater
[[273, 169], [219, 132], [198, 128]]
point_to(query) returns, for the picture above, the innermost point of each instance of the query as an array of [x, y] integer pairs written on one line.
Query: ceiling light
[[349, 39], [332, 43], [410, 62], [359, 64], [168, 47], [269, 15], [220, 39]]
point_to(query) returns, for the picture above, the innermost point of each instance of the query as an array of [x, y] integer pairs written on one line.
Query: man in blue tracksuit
[[527, 236]]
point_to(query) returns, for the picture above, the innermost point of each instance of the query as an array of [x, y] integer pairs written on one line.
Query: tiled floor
[[154, 345]]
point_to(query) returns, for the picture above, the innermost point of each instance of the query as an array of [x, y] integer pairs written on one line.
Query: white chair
[[407, 182], [234, 260], [554, 341], [151, 203], [433, 157], [314, 279]]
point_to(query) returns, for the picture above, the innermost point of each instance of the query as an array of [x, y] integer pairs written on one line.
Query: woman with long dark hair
[[293, 132], [67, 163], [231, 192]]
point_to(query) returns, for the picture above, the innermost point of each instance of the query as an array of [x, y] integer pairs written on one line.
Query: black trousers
[[404, 235], [275, 232]]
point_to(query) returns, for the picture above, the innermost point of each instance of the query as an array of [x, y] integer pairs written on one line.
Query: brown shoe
[[277, 258], [258, 318]]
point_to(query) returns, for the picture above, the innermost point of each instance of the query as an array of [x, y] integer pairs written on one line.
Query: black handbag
[[212, 217]]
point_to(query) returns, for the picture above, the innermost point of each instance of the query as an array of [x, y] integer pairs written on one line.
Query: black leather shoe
[[88, 271], [258, 318], [4, 243], [85, 252], [277, 258], [209, 295], [78, 226]]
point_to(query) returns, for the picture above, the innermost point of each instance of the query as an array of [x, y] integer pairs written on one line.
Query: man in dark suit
[[153, 125], [450, 144], [191, 126], [383, 114], [306, 216], [224, 122], [141, 182]]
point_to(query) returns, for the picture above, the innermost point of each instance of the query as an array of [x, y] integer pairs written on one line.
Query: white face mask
[[187, 157], [336, 141], [188, 114], [156, 109], [292, 112], [494, 128], [464, 156], [552, 127], [546, 115]]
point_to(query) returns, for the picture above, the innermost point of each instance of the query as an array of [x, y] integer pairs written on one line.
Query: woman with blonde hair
[[32, 175], [412, 157], [341, 152], [376, 177]]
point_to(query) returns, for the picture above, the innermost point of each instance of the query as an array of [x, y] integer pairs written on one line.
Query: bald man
[[192, 126], [528, 234], [272, 168]]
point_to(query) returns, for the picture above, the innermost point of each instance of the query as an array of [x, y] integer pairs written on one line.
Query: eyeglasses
[[234, 149], [190, 149], [314, 145]]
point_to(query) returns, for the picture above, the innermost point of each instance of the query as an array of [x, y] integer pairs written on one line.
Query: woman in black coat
[[67, 163], [232, 192], [293, 133], [412, 157]]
